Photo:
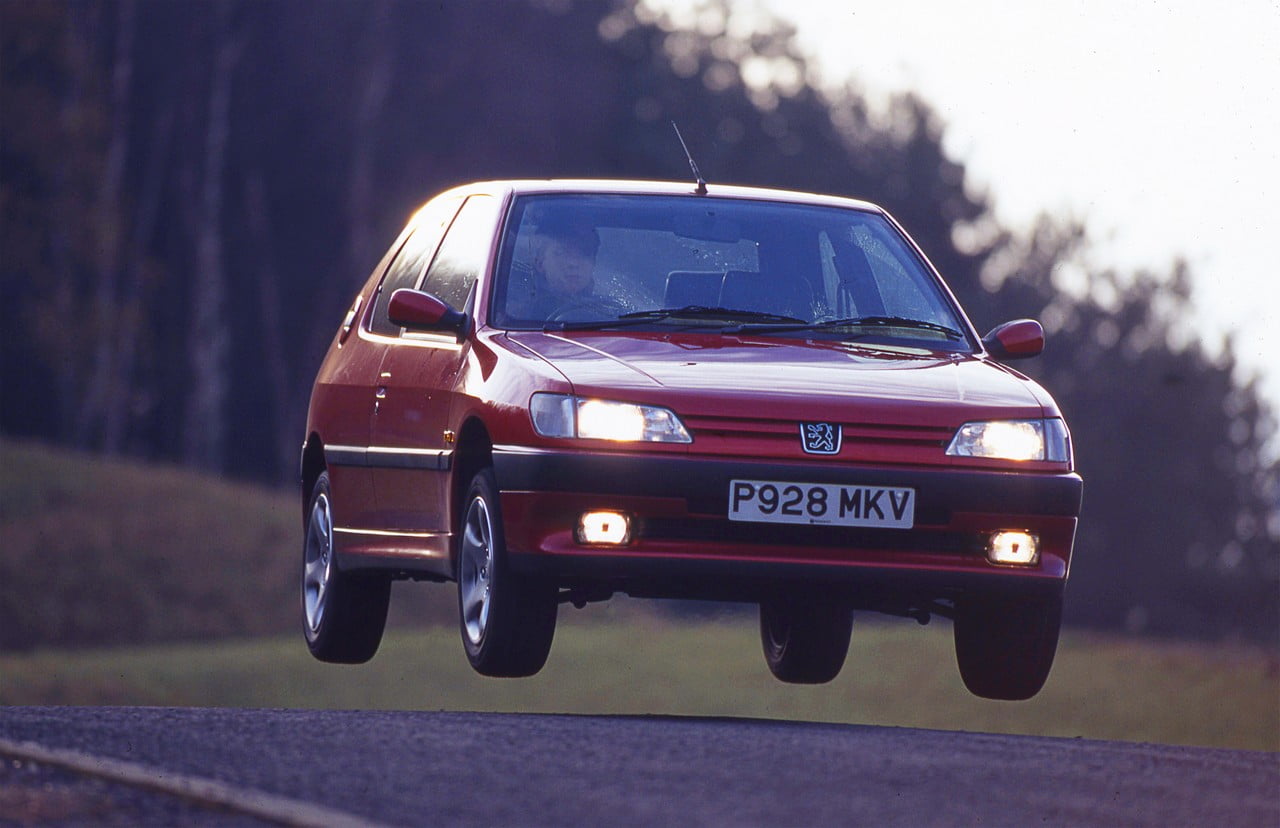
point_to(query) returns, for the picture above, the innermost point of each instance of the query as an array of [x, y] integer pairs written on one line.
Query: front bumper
[[684, 545]]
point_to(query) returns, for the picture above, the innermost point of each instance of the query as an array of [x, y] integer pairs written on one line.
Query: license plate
[[821, 504]]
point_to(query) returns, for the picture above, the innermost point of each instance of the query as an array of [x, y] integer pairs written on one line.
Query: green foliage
[[51, 156], [621, 660], [345, 116], [1180, 532]]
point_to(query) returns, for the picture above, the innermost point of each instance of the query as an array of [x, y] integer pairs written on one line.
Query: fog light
[[604, 527], [1019, 548]]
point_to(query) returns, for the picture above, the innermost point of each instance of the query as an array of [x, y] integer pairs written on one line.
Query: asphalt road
[[413, 768]]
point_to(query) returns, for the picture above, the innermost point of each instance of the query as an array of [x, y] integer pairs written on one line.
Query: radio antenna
[[702, 182]]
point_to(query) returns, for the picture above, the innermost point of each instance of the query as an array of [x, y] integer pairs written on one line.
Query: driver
[[563, 269]]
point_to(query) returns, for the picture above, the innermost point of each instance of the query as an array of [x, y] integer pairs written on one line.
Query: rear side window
[[465, 251], [406, 268]]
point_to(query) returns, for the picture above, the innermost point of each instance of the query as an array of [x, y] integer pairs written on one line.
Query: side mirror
[[1019, 339], [418, 311]]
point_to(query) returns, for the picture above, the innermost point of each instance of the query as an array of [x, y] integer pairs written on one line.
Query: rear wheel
[[508, 621], [344, 613], [1005, 644], [805, 642]]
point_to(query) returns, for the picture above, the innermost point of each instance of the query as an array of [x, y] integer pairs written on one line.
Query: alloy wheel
[[476, 569], [318, 561]]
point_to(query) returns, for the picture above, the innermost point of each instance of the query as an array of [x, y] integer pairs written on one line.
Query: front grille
[[862, 442]]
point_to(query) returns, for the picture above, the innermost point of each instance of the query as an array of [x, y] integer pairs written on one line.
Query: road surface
[[220, 766]]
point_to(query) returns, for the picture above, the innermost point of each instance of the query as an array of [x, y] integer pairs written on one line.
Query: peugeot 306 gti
[[552, 392]]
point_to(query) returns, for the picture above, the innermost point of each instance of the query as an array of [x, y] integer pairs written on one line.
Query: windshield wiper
[[859, 322], [705, 312], [686, 312]]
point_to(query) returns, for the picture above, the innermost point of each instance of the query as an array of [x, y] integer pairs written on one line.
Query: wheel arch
[[474, 452], [310, 468]]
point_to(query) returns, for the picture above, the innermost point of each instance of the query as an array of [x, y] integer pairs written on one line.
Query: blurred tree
[[190, 194], [52, 163], [104, 392], [209, 342], [1181, 525]]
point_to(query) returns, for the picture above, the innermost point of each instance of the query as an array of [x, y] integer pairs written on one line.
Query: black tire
[[507, 621], [343, 613], [805, 642], [1005, 645]]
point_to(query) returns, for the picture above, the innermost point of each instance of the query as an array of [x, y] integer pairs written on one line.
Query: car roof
[[634, 187]]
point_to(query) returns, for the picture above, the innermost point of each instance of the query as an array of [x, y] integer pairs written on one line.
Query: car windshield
[[580, 262]]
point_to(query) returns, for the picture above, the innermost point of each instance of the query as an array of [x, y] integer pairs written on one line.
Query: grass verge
[[101, 552], [616, 660]]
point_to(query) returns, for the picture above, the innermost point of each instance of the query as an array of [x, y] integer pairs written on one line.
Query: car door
[[343, 398], [411, 426], [350, 388]]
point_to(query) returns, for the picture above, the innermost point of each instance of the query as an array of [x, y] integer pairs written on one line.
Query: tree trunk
[[69, 212], [136, 394], [288, 394], [210, 338], [105, 388]]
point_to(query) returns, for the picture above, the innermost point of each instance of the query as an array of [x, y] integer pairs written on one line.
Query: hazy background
[[1154, 123], [191, 193]]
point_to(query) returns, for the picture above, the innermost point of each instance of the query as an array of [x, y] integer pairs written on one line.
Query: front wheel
[[344, 613], [507, 621], [1005, 645], [805, 642]]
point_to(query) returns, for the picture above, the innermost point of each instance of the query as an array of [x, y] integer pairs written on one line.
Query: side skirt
[[405, 555]]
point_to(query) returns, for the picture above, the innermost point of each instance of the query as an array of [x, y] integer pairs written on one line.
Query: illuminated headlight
[[1013, 440], [562, 415]]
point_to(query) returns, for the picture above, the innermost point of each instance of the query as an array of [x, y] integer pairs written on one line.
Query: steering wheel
[[602, 306]]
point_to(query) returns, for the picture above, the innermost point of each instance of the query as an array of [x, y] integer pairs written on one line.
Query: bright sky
[[1158, 122]]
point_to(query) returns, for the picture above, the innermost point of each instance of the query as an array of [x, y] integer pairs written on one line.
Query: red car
[[552, 391]]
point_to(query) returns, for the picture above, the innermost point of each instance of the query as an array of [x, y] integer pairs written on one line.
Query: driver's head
[[567, 256]]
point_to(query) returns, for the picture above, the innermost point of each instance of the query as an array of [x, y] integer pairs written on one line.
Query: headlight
[[1013, 440], [562, 415]]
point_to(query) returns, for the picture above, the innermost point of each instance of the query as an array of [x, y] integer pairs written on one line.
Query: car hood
[[718, 375]]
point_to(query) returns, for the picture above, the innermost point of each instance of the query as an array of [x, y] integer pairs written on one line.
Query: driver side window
[[406, 268], [465, 251]]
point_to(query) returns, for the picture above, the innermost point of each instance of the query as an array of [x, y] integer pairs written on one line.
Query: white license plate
[[821, 504]]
